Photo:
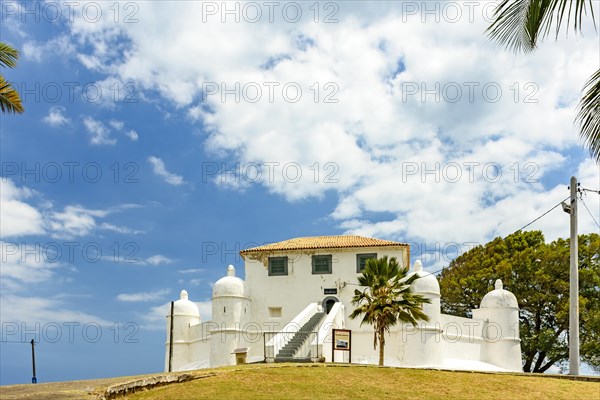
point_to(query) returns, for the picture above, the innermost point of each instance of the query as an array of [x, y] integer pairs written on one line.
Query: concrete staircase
[[286, 354]]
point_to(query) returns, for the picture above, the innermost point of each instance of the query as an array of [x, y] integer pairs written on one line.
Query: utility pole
[[33, 378], [574, 285]]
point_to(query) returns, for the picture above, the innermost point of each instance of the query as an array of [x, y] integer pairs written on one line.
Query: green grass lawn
[[317, 381]]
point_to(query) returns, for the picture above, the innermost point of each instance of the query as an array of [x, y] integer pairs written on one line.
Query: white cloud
[[158, 166], [119, 229], [132, 259], [25, 264], [191, 271], [39, 52], [26, 267], [17, 218], [56, 117], [156, 317], [158, 259], [143, 296], [386, 119], [118, 125], [42, 310], [100, 133], [13, 22], [194, 282], [74, 221], [133, 135]]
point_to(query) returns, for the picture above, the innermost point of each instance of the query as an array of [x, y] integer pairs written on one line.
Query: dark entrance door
[[329, 302]]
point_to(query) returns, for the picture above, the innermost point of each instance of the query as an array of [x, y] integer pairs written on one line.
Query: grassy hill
[[339, 381], [318, 381]]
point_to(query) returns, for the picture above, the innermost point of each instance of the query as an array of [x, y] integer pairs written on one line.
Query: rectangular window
[[278, 266], [275, 312], [361, 261], [321, 264]]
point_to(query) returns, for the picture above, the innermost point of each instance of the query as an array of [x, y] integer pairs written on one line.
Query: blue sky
[[158, 141]]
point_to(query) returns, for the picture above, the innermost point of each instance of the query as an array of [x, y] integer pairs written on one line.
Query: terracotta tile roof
[[323, 242]]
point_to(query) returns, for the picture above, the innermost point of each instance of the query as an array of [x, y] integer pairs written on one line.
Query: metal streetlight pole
[[33, 378]]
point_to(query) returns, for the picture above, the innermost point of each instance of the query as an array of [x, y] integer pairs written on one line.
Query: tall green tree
[[10, 101], [538, 274], [386, 299], [521, 24]]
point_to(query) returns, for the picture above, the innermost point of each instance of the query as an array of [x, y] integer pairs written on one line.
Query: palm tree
[[520, 24], [10, 101], [386, 299]]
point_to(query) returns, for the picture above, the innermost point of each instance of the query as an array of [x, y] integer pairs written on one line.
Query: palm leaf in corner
[[520, 24], [10, 101], [588, 116]]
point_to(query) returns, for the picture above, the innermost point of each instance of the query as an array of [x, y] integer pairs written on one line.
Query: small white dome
[[499, 298], [230, 285], [183, 306], [426, 282]]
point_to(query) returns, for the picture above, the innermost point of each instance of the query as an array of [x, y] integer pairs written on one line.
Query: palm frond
[[387, 298], [513, 25], [588, 116], [8, 55], [520, 24], [577, 9], [10, 101]]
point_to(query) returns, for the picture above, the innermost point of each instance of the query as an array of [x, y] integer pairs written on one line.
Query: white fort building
[[297, 291]]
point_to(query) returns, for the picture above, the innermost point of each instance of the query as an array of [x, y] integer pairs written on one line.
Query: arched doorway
[[328, 303]]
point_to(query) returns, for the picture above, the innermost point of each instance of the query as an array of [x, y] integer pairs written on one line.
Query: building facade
[[297, 291]]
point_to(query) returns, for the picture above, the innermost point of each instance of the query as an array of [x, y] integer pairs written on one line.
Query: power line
[[559, 203], [589, 212]]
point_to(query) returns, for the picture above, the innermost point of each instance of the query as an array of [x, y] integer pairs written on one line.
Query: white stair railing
[[334, 320], [280, 339]]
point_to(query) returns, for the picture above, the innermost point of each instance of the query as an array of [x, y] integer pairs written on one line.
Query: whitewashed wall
[[300, 287]]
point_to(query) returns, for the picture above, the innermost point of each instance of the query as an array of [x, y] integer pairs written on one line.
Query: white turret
[[421, 344], [427, 285], [499, 310], [229, 299], [230, 314], [185, 314]]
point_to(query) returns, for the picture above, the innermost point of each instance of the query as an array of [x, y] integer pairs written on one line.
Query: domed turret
[[183, 306], [185, 316], [499, 298], [230, 285], [421, 343], [230, 312], [499, 315], [426, 283]]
